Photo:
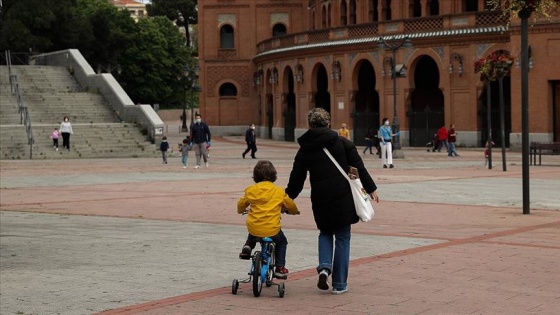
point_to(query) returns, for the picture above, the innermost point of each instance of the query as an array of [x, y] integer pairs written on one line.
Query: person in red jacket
[[442, 137]]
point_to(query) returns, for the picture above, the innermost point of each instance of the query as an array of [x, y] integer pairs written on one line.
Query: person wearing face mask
[[66, 131], [201, 137], [251, 140], [385, 136]]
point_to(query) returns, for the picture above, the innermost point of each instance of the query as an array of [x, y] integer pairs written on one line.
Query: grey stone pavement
[[130, 236]]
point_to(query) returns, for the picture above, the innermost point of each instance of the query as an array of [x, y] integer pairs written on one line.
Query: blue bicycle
[[261, 270]]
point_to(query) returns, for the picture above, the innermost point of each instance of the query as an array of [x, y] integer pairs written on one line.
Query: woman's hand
[[374, 196]]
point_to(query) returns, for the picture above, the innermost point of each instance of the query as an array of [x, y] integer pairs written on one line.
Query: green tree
[[113, 30], [183, 12], [40, 25], [152, 67]]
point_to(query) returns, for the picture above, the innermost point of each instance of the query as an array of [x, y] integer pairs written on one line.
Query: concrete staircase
[[50, 93]]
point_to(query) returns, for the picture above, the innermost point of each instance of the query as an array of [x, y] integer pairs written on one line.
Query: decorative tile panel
[[227, 19], [279, 18]]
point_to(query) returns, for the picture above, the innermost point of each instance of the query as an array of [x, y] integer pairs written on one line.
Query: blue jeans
[[281, 246], [339, 265], [185, 159], [452, 151], [441, 144]]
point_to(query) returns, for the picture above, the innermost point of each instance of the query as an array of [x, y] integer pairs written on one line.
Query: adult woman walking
[[66, 131], [331, 197]]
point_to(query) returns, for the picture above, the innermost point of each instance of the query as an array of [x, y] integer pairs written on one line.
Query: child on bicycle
[[267, 201]]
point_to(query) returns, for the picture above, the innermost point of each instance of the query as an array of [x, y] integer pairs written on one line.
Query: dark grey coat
[[331, 198]]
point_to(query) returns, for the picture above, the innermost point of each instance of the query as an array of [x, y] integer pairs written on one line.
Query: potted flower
[[494, 67]]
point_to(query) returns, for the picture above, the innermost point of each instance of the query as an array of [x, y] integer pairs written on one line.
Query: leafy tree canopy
[[150, 53]]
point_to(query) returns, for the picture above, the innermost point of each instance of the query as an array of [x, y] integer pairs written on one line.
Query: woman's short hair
[[264, 171], [318, 117]]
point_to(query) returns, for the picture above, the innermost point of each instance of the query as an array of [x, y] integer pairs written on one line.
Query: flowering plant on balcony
[[494, 67], [514, 7]]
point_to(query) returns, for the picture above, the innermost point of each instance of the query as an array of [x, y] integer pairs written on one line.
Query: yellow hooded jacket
[[267, 201]]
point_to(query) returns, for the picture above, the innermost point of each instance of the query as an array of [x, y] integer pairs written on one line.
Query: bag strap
[[336, 163]]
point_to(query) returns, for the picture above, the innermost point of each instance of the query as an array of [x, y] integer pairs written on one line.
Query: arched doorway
[[426, 112], [366, 108], [290, 109], [322, 96]]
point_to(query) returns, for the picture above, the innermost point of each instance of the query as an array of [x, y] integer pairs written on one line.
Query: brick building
[[268, 62]]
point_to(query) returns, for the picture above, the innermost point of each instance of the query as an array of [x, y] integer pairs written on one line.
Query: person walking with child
[[163, 147], [185, 148], [54, 136], [331, 197], [200, 135], [266, 201], [66, 131]]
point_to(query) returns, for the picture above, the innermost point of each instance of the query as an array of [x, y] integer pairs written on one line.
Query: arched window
[[352, 20], [433, 7], [343, 17], [470, 5], [228, 89], [227, 37], [278, 30], [313, 20], [373, 11], [386, 10], [324, 17], [415, 8]]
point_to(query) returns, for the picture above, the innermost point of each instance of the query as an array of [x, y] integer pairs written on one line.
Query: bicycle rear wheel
[[257, 280]]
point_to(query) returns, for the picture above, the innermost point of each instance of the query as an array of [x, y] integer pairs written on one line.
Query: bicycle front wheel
[[257, 280]]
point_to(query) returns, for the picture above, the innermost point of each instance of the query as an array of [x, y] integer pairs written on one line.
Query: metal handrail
[[25, 118]]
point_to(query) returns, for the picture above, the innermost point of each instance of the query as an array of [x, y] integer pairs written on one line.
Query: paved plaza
[[135, 236]]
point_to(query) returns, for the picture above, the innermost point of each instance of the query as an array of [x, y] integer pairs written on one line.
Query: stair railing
[[25, 118]]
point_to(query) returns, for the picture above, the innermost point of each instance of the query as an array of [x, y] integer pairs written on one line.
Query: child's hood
[[263, 192]]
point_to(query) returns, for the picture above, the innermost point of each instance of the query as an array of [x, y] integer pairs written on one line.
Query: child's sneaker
[[281, 272], [245, 252]]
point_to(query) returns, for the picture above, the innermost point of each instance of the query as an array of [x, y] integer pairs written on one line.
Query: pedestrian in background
[[385, 138], [251, 140], [200, 135], [163, 147], [66, 131], [451, 139], [331, 198], [343, 132], [442, 138]]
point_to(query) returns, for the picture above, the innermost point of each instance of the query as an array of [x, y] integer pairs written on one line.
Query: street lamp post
[[190, 75], [524, 16], [184, 115], [394, 46]]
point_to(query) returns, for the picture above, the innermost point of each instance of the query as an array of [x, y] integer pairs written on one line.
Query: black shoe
[[323, 283], [243, 155], [253, 157], [384, 166], [391, 166], [245, 253]]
